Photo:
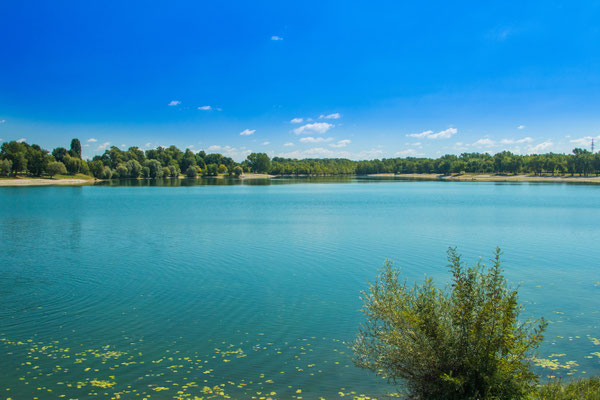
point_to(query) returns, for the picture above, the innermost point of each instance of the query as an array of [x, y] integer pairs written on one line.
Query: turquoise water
[[231, 290]]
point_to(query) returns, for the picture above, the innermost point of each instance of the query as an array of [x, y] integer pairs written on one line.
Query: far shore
[[493, 178], [29, 181]]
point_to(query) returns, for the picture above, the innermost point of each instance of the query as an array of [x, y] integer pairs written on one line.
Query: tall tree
[[75, 148]]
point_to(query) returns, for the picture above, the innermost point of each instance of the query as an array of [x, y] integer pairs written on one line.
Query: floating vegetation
[[128, 371]]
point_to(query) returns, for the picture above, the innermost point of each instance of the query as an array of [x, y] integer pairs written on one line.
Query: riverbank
[[79, 179], [493, 178]]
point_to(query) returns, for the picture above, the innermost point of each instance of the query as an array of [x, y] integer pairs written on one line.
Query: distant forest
[[18, 158]]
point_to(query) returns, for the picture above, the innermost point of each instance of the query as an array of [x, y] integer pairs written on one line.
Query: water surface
[[154, 291]]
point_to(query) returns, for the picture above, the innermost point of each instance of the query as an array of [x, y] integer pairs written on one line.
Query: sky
[[353, 79]]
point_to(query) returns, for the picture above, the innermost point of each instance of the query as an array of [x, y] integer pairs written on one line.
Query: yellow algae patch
[[160, 388], [102, 384]]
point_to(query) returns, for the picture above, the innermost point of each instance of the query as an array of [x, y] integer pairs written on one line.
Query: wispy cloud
[[316, 127], [407, 153], [485, 142], [276, 38], [237, 153], [247, 132], [340, 143], [2, 121], [92, 140], [288, 144], [103, 146], [310, 139], [519, 141], [445, 134], [205, 108], [21, 140], [297, 120], [521, 127], [541, 147], [147, 144], [174, 103], [584, 141], [330, 116], [266, 143]]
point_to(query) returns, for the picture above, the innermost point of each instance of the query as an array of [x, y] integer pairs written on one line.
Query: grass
[[584, 389], [76, 176]]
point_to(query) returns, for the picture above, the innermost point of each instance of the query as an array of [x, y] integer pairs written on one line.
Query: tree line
[[18, 157]]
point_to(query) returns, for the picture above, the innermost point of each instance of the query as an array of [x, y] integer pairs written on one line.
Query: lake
[[212, 289]]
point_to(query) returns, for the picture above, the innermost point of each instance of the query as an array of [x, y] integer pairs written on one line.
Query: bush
[[461, 342], [192, 171], [56, 168], [237, 171]]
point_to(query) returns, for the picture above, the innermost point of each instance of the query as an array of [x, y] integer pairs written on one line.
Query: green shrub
[[56, 168], [584, 389], [461, 342]]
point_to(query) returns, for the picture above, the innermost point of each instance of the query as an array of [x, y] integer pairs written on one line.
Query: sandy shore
[[256, 176], [495, 178], [44, 182]]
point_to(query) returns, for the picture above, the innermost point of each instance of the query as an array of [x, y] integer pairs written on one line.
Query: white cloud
[[316, 127], [92, 140], [266, 143], [122, 145], [237, 154], [407, 153], [147, 144], [541, 147], [21, 140], [297, 120], [521, 127], [288, 144], [330, 116], [247, 132], [174, 103], [310, 139], [423, 134], [484, 143], [205, 108], [2, 121], [445, 134], [513, 141], [103, 146], [584, 141], [340, 143], [275, 37]]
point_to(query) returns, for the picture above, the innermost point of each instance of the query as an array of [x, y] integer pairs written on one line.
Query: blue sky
[[304, 79]]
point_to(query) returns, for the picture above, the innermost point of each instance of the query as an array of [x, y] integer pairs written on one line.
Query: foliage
[[237, 171], [259, 162], [32, 159], [191, 171], [75, 148], [56, 168], [461, 342], [588, 389], [5, 167]]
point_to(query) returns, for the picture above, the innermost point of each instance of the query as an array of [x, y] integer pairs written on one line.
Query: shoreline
[[9, 182], [27, 181], [493, 178]]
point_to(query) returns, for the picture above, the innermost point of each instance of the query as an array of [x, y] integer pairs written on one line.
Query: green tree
[[59, 153], [191, 171], [96, 169], [75, 148], [5, 167], [237, 171], [259, 162], [16, 153], [56, 168], [464, 342]]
